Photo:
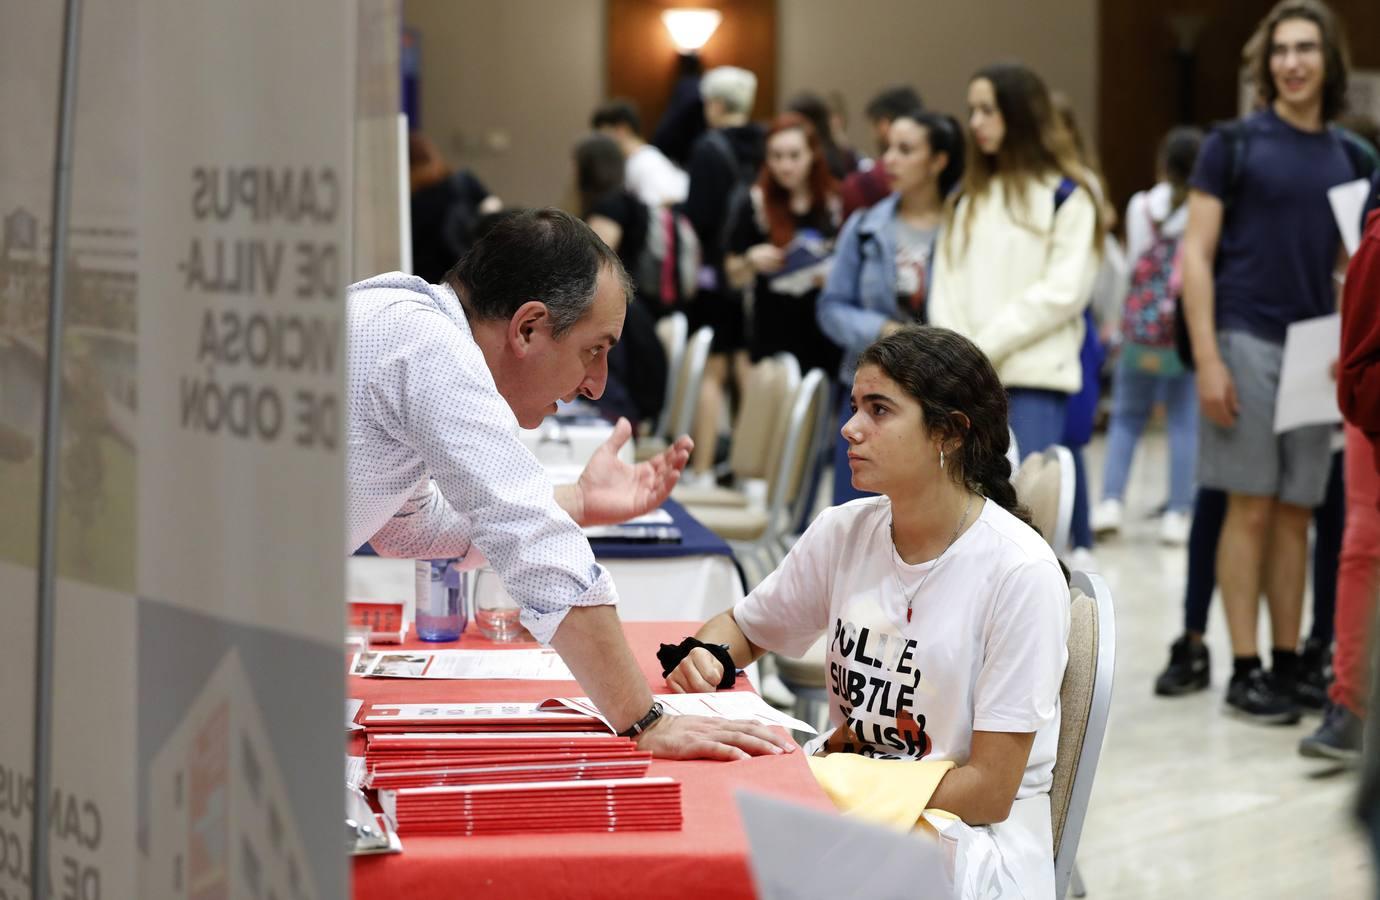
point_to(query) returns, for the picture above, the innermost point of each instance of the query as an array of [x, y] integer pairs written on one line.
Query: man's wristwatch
[[645, 722]]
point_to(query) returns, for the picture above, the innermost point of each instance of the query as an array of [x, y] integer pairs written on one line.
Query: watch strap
[[642, 724]]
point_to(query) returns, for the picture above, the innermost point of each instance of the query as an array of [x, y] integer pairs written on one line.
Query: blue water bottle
[[441, 594]]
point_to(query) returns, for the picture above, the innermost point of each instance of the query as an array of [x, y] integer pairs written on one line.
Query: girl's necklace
[[910, 600]]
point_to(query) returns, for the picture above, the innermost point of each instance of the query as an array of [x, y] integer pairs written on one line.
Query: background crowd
[[996, 221]]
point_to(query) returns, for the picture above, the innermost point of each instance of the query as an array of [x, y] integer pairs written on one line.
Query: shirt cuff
[[543, 625]]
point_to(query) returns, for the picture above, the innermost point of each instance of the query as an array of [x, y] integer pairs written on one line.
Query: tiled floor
[[1189, 802]]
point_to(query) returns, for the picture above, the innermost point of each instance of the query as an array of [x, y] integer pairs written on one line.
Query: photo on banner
[[30, 59], [245, 199], [198, 613]]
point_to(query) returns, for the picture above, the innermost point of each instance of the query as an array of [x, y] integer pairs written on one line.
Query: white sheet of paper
[[742, 706], [796, 851], [738, 706], [1347, 202], [655, 517], [1307, 394], [522, 665], [355, 771], [352, 710]]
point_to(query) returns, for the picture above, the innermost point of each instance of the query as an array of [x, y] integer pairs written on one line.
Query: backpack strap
[[716, 139], [1363, 159], [1233, 134], [1064, 191]]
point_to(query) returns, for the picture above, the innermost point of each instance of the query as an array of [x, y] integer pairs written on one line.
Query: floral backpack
[[1148, 319]]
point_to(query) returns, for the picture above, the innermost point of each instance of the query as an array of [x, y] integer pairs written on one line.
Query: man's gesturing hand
[[611, 491]]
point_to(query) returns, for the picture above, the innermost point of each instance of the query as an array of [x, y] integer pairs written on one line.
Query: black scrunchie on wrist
[[671, 655]]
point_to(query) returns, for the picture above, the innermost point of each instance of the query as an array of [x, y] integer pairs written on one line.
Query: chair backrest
[[771, 386], [1044, 485], [1068, 483], [1085, 700], [792, 366], [681, 412], [788, 468], [673, 331]]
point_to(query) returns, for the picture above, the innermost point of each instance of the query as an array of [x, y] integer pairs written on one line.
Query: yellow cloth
[[890, 792]]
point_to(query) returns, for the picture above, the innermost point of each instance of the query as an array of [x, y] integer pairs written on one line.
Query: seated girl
[[946, 614]]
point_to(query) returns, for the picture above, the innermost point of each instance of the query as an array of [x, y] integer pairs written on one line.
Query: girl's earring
[[941, 459]]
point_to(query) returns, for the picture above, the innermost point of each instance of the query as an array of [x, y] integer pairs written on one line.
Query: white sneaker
[[1082, 560], [1174, 528], [1106, 518]]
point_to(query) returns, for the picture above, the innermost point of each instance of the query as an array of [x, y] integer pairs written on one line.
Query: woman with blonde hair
[[1015, 264]]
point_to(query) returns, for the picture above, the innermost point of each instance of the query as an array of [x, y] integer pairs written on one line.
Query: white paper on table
[[738, 706], [520, 665], [351, 711], [1307, 393], [796, 851], [655, 517], [1347, 202]]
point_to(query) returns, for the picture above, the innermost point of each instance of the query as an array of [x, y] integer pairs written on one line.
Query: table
[[707, 577], [564, 445], [706, 859], [702, 567]]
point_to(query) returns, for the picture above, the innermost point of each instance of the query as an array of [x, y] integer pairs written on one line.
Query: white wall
[[862, 46]]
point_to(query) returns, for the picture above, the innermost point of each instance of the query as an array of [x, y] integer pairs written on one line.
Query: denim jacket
[[860, 295]]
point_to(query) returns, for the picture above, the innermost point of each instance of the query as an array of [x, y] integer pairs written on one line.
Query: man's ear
[[530, 318]]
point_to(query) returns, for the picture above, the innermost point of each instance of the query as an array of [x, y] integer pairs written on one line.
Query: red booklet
[[624, 766], [461, 717], [633, 804]]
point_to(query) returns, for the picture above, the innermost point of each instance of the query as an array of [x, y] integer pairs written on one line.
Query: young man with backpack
[[1258, 255], [648, 173], [723, 164]]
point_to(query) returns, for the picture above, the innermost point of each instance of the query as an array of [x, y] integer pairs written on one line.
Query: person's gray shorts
[[1249, 458]]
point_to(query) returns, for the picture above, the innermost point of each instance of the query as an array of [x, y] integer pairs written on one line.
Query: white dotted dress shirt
[[434, 464]]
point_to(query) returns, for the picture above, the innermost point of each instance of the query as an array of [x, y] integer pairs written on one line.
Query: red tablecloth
[[706, 859]]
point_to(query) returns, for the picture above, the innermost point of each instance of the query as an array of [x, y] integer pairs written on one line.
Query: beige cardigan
[[1017, 292]]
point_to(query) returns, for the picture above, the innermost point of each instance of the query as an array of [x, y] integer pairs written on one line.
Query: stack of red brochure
[[539, 807], [437, 758], [509, 768], [464, 717]]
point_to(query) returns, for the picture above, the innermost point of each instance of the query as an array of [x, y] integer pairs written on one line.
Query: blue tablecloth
[[696, 540]]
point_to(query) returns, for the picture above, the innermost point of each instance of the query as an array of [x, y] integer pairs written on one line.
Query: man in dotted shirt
[[440, 377]]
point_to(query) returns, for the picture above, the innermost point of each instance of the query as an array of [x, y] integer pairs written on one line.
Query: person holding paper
[[946, 614], [1247, 276], [786, 229], [440, 377]]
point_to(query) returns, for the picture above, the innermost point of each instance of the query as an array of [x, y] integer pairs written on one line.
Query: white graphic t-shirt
[[984, 650]]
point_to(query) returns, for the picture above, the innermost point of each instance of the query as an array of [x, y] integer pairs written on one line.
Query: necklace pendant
[[908, 610]]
